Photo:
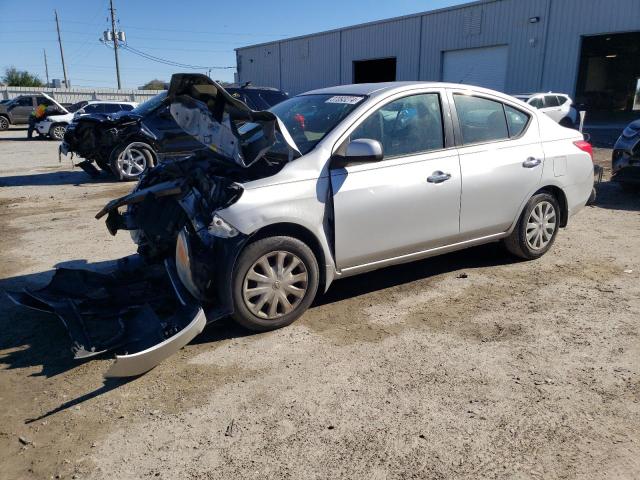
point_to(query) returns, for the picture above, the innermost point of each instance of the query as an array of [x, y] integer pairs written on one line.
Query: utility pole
[[46, 67], [64, 67], [115, 41]]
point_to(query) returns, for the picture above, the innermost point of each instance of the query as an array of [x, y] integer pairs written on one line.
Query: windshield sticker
[[348, 99]]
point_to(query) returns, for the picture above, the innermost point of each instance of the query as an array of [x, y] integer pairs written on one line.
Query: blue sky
[[195, 32]]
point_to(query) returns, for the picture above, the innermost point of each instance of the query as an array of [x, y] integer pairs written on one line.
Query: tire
[[629, 187], [130, 161], [542, 210], [4, 123], [592, 197], [57, 131], [254, 309]]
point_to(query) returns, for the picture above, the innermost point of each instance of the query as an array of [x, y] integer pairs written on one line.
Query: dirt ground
[[471, 365]]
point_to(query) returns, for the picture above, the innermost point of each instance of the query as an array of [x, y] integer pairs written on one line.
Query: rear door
[[552, 108], [501, 160], [22, 108], [392, 208]]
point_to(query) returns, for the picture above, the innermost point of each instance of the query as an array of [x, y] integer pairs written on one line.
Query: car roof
[[539, 93], [91, 102], [375, 89]]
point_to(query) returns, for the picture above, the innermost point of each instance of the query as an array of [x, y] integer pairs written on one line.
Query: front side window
[[537, 102], [406, 126], [126, 107], [481, 120], [24, 102]]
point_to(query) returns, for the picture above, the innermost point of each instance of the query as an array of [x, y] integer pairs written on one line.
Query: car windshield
[[150, 104], [308, 118], [77, 106]]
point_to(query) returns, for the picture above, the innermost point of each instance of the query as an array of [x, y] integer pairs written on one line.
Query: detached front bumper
[[139, 312]]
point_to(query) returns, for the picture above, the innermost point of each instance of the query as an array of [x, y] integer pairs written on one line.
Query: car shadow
[[24, 138], [488, 255], [612, 196], [38, 342], [73, 177]]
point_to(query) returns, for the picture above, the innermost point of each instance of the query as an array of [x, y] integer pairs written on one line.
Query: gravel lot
[[471, 365]]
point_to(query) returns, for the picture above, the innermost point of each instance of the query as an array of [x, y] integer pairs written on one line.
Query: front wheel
[[536, 229], [4, 123], [274, 282], [57, 131], [130, 161]]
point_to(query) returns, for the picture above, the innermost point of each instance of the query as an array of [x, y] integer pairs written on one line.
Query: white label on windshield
[[348, 99]]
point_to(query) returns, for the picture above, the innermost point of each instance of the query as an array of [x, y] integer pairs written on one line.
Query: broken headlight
[[183, 263], [220, 228]]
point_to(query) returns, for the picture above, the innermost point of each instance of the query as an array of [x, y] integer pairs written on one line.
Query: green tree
[[21, 78], [155, 84]]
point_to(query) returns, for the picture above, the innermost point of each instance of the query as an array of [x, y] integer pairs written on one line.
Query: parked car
[[275, 208], [558, 106], [625, 161], [257, 98], [55, 126], [17, 110], [130, 142]]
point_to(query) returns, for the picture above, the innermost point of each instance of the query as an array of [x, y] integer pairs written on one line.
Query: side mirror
[[362, 150]]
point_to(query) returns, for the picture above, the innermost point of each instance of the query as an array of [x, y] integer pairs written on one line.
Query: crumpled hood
[[210, 114]]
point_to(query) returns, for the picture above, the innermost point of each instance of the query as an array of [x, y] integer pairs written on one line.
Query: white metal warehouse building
[[587, 48]]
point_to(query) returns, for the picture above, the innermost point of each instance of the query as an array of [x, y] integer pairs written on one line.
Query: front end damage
[[155, 302]]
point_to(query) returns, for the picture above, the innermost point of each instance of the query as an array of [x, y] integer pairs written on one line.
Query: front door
[[172, 140], [409, 201], [501, 161]]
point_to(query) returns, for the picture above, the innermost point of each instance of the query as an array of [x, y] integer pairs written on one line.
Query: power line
[[171, 62]]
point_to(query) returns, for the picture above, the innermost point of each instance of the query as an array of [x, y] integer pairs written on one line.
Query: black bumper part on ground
[[139, 312]]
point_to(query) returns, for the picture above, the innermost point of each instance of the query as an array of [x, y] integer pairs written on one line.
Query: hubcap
[[58, 132], [275, 285], [132, 162], [541, 225], [4, 124]]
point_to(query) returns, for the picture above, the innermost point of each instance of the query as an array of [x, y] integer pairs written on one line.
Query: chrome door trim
[[410, 257]]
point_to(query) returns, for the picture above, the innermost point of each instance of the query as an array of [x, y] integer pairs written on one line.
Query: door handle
[[531, 162], [438, 177]]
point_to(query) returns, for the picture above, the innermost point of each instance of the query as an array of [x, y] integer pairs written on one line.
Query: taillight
[[585, 147]]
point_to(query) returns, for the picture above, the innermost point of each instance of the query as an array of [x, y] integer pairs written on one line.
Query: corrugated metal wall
[[543, 55]]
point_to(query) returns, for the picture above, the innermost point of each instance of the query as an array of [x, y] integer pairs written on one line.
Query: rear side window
[[24, 102], [561, 99], [517, 121], [481, 120], [551, 101], [110, 107]]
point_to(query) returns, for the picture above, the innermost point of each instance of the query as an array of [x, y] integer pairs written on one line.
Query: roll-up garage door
[[483, 67]]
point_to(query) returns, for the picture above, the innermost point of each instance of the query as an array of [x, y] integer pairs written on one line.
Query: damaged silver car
[[324, 185]]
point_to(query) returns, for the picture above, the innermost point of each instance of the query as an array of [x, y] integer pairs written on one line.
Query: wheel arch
[[561, 197], [303, 234]]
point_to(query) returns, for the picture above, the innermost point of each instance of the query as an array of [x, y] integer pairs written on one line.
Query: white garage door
[[484, 67]]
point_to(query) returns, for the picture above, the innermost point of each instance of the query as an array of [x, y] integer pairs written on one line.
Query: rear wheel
[[274, 282], [536, 229], [4, 123], [130, 161], [57, 131]]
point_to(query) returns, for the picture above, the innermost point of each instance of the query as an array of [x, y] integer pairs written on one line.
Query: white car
[[557, 106], [54, 126]]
